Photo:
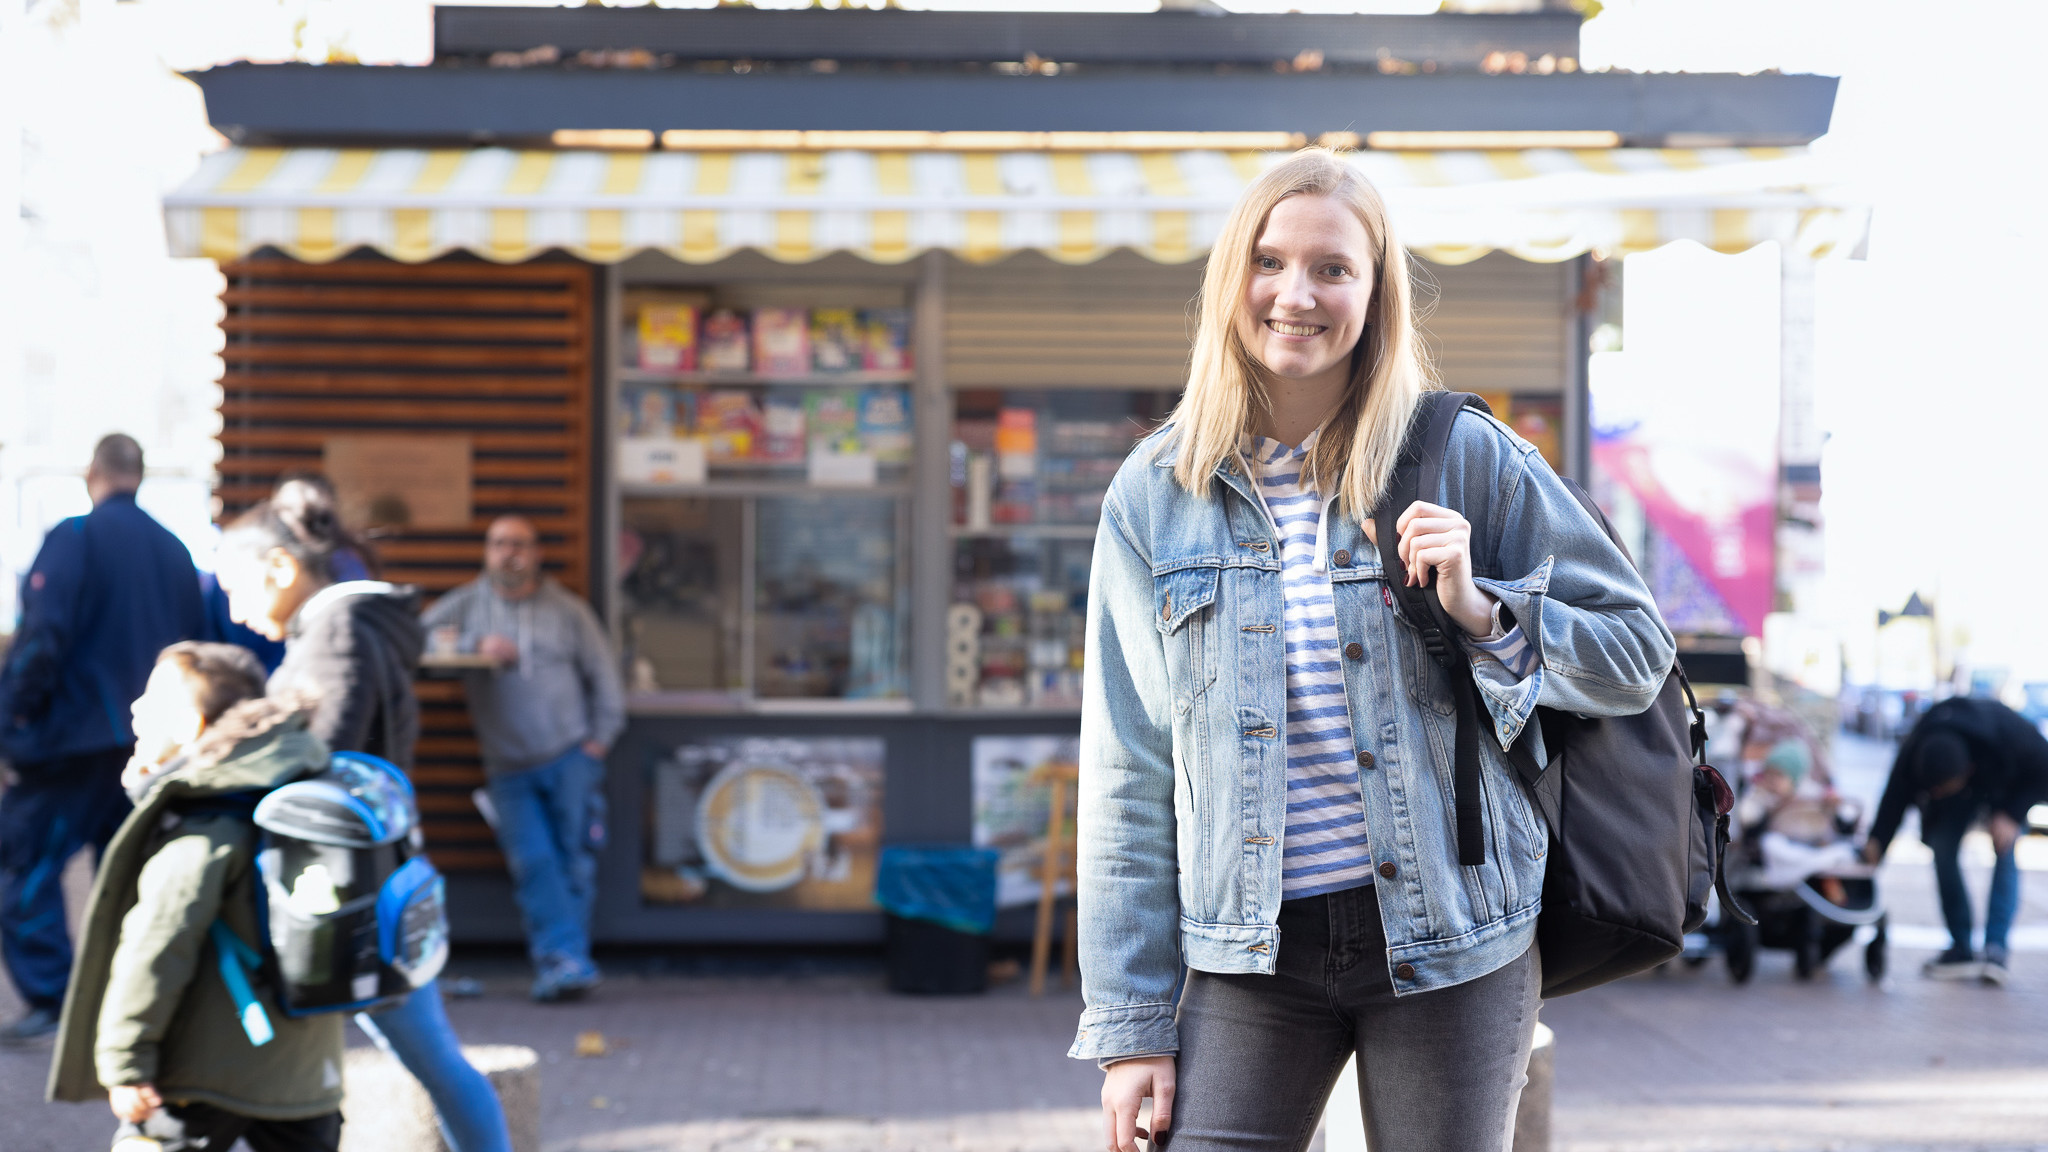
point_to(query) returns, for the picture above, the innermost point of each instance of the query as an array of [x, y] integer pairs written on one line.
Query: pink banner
[[1715, 505]]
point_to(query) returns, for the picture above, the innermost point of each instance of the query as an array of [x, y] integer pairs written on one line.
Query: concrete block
[[386, 1110]]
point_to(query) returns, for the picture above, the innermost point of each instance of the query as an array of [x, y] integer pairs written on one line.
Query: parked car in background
[[1882, 713]]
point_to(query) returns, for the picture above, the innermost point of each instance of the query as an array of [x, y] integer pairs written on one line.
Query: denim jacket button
[[1354, 651], [1405, 972], [1387, 869], [1342, 559], [1365, 759]]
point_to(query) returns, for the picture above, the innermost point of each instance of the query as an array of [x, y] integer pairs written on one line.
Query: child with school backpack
[[156, 1020]]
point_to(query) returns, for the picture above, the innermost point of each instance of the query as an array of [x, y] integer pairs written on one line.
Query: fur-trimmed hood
[[259, 743]]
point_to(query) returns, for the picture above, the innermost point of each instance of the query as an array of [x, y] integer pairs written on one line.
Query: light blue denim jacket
[[1183, 726]]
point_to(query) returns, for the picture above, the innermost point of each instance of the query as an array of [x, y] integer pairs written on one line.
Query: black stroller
[[1809, 900]]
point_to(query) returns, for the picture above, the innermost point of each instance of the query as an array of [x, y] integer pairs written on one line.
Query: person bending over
[[1967, 759]]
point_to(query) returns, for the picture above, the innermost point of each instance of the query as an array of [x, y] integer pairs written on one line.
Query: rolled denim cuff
[[1126, 1031], [1511, 699], [1106, 1061]]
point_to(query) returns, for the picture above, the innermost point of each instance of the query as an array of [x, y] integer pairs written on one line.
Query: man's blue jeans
[[550, 824], [55, 808], [1942, 825]]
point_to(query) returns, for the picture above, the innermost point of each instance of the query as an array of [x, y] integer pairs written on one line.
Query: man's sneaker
[[1996, 967], [565, 978], [35, 1026], [1954, 964]]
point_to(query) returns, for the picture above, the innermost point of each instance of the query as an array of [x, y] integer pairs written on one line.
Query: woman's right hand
[[1125, 1086]]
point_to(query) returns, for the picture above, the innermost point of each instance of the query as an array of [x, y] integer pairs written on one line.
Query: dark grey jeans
[[1438, 1071]]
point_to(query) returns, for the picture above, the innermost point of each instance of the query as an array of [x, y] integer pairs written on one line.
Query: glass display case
[[1028, 472], [763, 451]]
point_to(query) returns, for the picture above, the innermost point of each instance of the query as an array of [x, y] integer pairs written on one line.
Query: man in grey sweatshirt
[[545, 714]]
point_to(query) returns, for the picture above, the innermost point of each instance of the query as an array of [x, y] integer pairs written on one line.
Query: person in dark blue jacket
[[108, 591]]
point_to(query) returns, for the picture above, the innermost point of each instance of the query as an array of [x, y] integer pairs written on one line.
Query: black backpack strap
[[1715, 796], [1419, 472]]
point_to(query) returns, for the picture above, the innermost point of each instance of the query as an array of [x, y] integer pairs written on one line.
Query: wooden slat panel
[[411, 298], [433, 692], [432, 583], [315, 439], [440, 746], [448, 777], [509, 330], [467, 859], [499, 354], [429, 552], [407, 355], [546, 412], [402, 384], [257, 465], [451, 833], [563, 503]]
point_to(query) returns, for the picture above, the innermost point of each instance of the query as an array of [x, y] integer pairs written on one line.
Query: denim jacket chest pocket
[[1372, 599], [1183, 602]]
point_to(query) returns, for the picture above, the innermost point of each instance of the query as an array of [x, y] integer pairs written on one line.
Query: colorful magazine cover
[[730, 422], [887, 344], [725, 346], [1016, 495], [668, 337], [782, 428], [782, 342], [649, 411], [833, 417], [836, 340], [885, 424]]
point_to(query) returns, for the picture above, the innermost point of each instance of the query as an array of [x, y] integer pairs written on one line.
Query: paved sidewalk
[[818, 1057], [831, 1062]]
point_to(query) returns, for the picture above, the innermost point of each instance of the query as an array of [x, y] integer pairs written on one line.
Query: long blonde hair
[[1389, 368]]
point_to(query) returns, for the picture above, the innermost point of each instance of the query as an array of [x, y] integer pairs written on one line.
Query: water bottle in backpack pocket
[[354, 915]]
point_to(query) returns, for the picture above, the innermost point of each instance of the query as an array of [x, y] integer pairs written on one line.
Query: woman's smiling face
[[1310, 289]]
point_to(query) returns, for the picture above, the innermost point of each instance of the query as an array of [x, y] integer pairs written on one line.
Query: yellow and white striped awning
[[1075, 206]]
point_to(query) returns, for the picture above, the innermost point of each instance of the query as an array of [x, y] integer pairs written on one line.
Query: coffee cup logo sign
[[759, 825]]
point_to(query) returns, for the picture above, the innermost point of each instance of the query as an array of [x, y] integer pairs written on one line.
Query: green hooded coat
[[147, 1003]]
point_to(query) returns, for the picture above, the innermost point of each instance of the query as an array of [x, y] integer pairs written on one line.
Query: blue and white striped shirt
[[1324, 845]]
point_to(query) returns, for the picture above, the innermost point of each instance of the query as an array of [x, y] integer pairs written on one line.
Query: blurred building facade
[[810, 339]]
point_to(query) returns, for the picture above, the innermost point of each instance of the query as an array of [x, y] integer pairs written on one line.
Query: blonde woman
[[1268, 876]]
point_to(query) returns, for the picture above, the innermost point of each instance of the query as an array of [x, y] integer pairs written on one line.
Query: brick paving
[[815, 1056]]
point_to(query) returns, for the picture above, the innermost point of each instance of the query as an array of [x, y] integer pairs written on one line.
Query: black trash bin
[[940, 903]]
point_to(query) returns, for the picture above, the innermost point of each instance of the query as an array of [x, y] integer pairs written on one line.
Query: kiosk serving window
[[764, 450]]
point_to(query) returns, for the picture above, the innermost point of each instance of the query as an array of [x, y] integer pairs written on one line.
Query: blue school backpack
[[352, 914]]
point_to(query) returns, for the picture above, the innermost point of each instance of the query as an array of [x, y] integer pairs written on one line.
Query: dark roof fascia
[[392, 106], [1451, 41]]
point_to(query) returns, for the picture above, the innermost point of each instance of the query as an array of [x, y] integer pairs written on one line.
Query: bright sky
[[1931, 389]]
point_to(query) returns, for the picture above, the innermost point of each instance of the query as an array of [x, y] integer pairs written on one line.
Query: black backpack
[[1638, 820], [353, 913], [350, 914]]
